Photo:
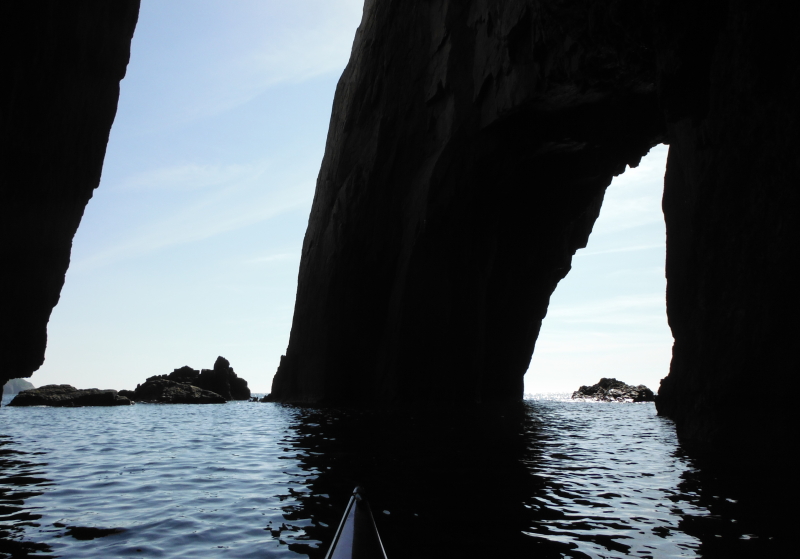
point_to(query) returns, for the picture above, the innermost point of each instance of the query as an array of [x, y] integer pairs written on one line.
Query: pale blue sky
[[190, 247]]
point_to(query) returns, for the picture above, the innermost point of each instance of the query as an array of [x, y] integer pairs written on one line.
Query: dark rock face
[[222, 379], [468, 154], [66, 396], [157, 390], [730, 202], [62, 64], [613, 390], [469, 148]]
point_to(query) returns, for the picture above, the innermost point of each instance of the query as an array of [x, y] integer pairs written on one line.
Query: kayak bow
[[357, 537]]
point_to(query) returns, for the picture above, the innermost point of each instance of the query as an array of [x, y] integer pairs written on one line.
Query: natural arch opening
[[607, 317]]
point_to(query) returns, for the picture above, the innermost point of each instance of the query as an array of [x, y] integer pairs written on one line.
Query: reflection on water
[[19, 480], [545, 479], [540, 479]]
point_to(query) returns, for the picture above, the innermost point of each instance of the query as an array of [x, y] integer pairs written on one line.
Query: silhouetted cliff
[[729, 74], [62, 64], [469, 149]]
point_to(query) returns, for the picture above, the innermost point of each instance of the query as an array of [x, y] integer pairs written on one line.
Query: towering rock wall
[[469, 150], [62, 64], [729, 86]]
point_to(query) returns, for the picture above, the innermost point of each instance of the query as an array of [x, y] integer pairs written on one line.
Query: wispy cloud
[[661, 246], [191, 176], [222, 57], [620, 310], [321, 46], [576, 342], [274, 258], [220, 210]]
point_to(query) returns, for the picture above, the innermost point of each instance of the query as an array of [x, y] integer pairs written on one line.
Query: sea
[[549, 477]]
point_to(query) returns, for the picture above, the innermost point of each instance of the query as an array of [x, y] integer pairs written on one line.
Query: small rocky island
[[613, 390], [181, 386], [66, 396], [190, 386]]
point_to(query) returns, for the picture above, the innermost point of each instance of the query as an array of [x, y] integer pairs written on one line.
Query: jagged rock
[[613, 390], [158, 390], [221, 379], [66, 396], [16, 385]]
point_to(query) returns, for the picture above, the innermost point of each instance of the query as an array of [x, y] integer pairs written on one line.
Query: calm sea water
[[550, 478]]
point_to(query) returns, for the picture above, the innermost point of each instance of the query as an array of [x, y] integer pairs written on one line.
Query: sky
[[190, 247]]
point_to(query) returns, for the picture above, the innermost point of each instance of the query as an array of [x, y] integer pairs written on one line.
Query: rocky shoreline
[[182, 386]]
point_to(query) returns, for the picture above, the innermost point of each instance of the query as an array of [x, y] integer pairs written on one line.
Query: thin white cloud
[[274, 258], [298, 54], [220, 211], [661, 246], [191, 176], [570, 342], [620, 310]]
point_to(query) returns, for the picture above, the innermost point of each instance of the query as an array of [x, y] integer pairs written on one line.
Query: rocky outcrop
[[129, 394], [157, 390], [222, 379], [16, 385], [62, 64], [613, 390], [66, 396]]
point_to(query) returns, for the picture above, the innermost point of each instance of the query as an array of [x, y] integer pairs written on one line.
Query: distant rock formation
[[221, 379], [613, 390], [66, 396], [159, 390], [17, 385]]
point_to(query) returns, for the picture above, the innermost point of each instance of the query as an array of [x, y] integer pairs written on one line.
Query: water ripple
[[544, 479]]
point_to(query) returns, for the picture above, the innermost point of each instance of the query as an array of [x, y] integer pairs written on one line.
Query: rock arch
[[469, 148]]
